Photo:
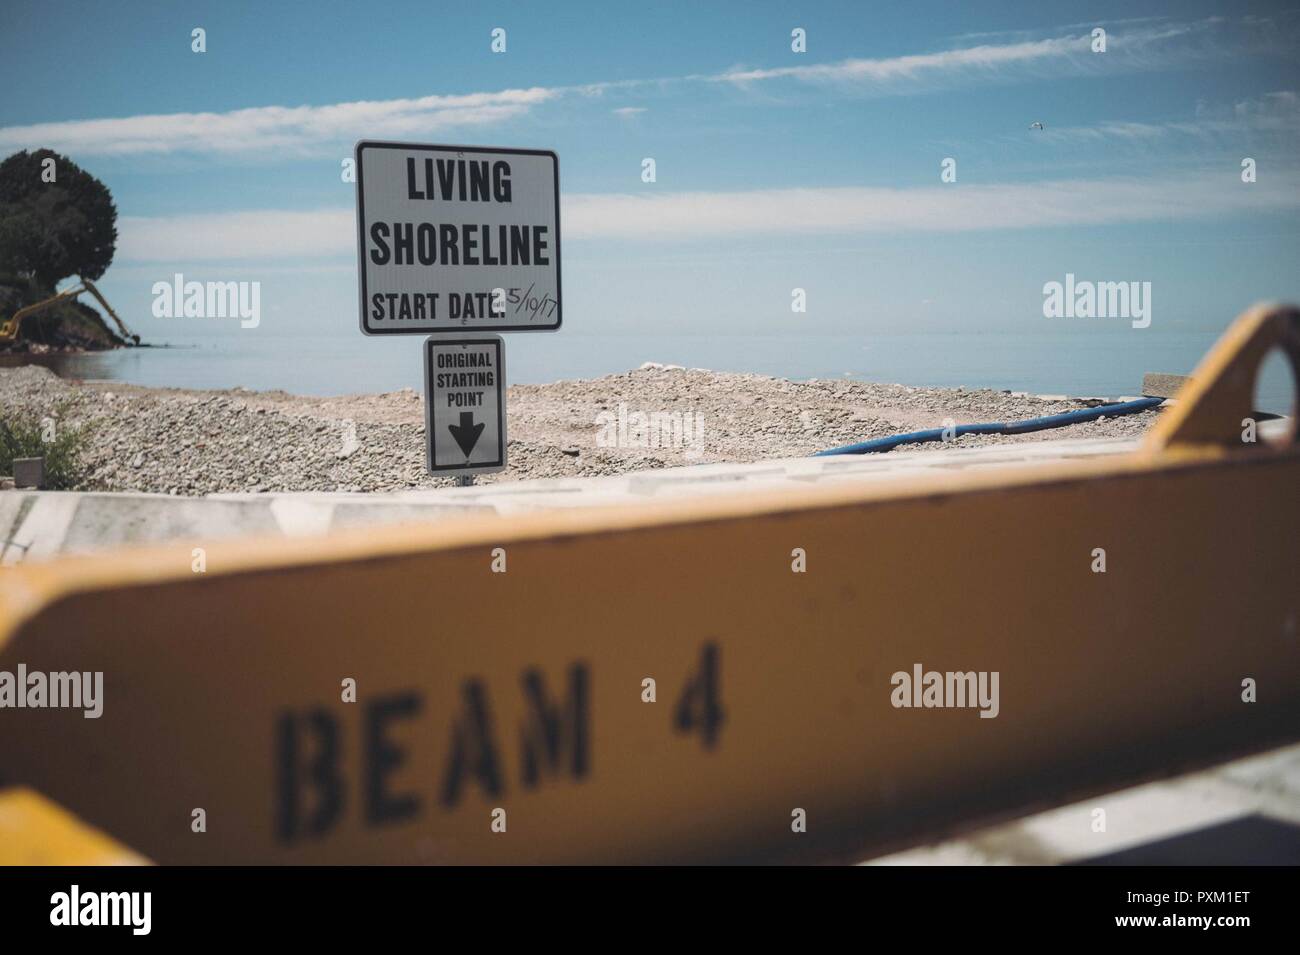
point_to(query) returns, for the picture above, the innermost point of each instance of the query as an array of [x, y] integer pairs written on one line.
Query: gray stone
[[1156, 385], [29, 472]]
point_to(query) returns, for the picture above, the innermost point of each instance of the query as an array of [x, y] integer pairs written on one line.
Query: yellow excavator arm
[[9, 328]]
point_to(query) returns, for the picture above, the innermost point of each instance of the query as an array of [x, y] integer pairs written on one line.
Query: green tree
[[52, 229]]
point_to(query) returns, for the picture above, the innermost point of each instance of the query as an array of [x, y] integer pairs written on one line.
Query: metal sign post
[[457, 240]]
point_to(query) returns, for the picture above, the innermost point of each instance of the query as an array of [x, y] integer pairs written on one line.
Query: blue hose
[[999, 427]]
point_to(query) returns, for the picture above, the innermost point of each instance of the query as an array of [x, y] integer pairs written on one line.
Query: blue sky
[[775, 170]]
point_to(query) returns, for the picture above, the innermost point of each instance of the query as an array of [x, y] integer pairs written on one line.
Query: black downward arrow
[[466, 433]]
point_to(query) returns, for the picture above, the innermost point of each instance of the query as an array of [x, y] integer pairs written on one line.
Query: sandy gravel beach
[[196, 442]]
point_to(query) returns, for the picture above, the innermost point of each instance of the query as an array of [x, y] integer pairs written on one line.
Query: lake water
[[1099, 363]]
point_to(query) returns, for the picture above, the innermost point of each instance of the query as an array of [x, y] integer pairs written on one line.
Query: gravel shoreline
[[178, 441]]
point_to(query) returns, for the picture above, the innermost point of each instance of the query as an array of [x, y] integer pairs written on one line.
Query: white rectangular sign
[[465, 404], [457, 238]]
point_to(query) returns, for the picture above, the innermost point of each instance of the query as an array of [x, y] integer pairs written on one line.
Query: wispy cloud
[[266, 234], [255, 234], [291, 130], [966, 208], [1107, 23], [1134, 46], [1273, 116], [915, 66], [274, 127]]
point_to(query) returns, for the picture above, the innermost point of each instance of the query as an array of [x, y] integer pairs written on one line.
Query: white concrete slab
[[1266, 786], [39, 525]]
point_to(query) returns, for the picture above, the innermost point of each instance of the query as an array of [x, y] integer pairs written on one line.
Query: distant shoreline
[[341, 362]]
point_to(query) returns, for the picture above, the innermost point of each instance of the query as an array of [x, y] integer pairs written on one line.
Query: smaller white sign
[[465, 404]]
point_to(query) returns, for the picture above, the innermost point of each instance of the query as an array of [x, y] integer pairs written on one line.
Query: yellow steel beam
[[500, 666], [34, 831], [1214, 407]]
